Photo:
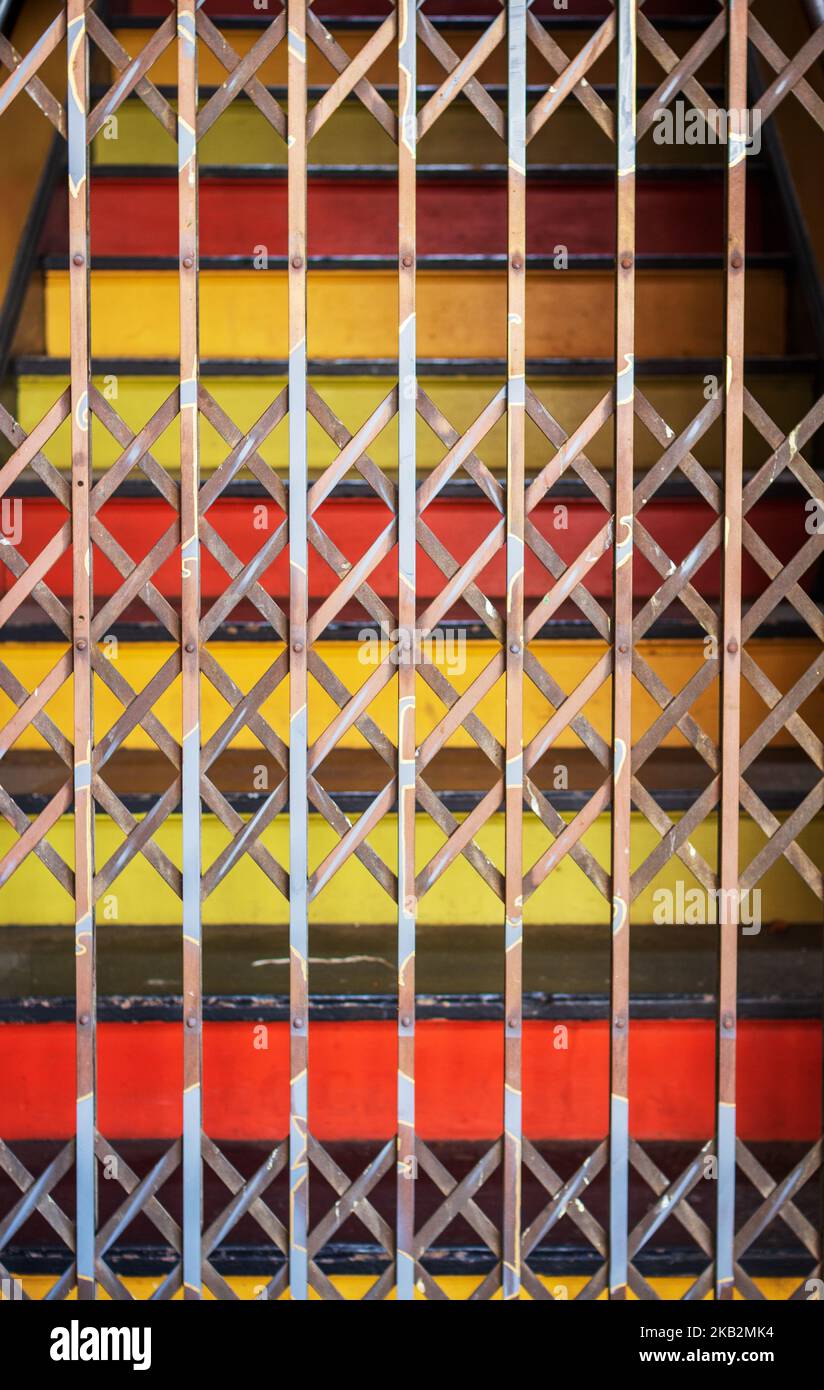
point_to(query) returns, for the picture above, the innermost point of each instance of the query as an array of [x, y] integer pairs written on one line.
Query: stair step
[[244, 136], [359, 217], [243, 313], [353, 524], [238, 892], [352, 658], [352, 1092], [460, 389], [673, 972]]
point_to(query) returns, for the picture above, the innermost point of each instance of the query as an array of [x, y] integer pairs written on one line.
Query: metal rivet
[[514, 648], [80, 482], [728, 1021], [517, 263], [297, 262], [406, 260], [191, 1021], [190, 646], [297, 646], [626, 262], [81, 645], [732, 647], [619, 1021], [512, 1024], [188, 262], [84, 1019], [623, 648], [737, 261], [78, 258], [298, 1022], [405, 1021]]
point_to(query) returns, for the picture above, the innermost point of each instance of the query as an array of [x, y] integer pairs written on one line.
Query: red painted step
[[459, 1069], [359, 217], [353, 524]]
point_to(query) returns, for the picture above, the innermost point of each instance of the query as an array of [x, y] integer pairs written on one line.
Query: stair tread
[[673, 968]]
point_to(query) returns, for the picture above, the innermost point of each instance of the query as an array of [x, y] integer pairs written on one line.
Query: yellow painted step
[[243, 313], [355, 1286], [243, 135], [674, 661], [678, 399], [138, 896]]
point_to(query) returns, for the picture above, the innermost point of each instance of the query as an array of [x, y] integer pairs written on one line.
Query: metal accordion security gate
[[338, 616]]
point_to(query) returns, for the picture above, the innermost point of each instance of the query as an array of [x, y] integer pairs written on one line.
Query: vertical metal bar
[[407, 623], [298, 609], [515, 504], [622, 651], [190, 610], [82, 603], [730, 656]]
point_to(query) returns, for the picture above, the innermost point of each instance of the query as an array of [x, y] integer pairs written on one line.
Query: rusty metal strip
[[338, 58], [36, 1194], [120, 60], [461, 75], [672, 1199], [459, 1197], [352, 75], [620, 825], [570, 78], [24, 71], [190, 658], [778, 1199], [407, 625], [352, 1196], [82, 608], [566, 1198], [779, 62], [515, 519], [730, 662], [241, 74], [790, 78], [298, 693], [680, 71], [472, 89], [133, 75], [557, 59]]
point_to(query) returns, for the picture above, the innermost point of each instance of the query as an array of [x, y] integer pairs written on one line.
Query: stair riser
[[360, 218], [353, 1080], [354, 524], [675, 661], [244, 313], [353, 137], [352, 399], [31, 896]]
